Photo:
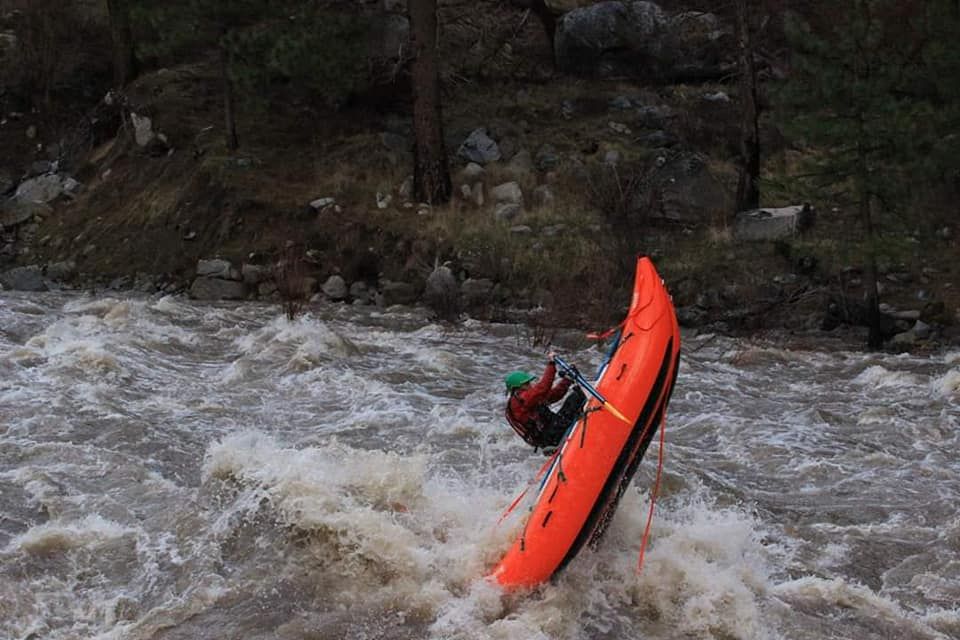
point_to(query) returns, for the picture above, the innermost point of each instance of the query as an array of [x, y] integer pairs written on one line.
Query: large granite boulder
[[639, 39]]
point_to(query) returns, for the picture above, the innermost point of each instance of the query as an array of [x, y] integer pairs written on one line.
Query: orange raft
[[600, 453]]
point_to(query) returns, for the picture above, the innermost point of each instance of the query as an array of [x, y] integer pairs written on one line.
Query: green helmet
[[517, 379]]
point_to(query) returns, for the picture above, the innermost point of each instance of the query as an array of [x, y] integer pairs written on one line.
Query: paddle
[[578, 378]]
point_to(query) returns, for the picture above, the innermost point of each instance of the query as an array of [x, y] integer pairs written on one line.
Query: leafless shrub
[[623, 193], [290, 276]]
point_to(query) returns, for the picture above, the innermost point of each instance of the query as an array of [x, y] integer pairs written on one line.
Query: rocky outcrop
[[639, 39]]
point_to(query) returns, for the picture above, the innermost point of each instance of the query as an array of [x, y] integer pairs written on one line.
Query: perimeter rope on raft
[[513, 505], [653, 494]]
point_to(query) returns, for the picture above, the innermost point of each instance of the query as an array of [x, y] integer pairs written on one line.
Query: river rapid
[[172, 470]]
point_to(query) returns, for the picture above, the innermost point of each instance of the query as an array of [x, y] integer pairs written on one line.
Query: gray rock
[[14, 212], [266, 288], [479, 147], [547, 158], [442, 292], [654, 117], [254, 274], [41, 189], [716, 96], [520, 165], [508, 192], [207, 288], [6, 182], [335, 288], [218, 268], [659, 139], [472, 172], [687, 191], [770, 223], [506, 212], [62, 271], [323, 203], [360, 292], [638, 39], [395, 142], [142, 129], [392, 293], [29, 278], [476, 194], [543, 196]]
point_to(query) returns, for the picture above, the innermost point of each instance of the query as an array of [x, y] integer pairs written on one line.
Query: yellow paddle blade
[[612, 409]]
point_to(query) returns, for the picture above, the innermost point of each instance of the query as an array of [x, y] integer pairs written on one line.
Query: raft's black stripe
[[633, 450], [638, 456]]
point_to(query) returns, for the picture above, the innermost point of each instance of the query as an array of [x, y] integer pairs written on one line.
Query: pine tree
[[299, 43], [121, 33], [852, 64], [431, 173]]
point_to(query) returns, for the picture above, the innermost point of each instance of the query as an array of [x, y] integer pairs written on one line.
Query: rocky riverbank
[[558, 180]]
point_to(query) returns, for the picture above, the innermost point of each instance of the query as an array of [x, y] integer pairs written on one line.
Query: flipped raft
[[600, 452]]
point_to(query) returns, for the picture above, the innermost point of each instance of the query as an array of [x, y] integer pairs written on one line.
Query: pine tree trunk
[[549, 22], [229, 108], [431, 173], [865, 205], [748, 191], [124, 60]]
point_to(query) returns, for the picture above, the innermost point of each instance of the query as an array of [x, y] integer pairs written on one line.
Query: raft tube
[[600, 452]]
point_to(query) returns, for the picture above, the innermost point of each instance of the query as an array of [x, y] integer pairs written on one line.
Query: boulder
[[772, 223], [442, 292], [392, 293], [686, 190], [41, 189], [335, 288], [62, 271], [506, 211], [520, 165], [207, 288], [639, 39], [254, 273], [14, 212], [508, 192], [479, 147], [218, 268], [360, 292], [29, 278]]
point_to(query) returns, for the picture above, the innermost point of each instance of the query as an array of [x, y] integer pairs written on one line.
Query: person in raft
[[528, 407]]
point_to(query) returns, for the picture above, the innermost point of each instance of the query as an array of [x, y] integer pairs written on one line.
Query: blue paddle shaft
[[578, 378]]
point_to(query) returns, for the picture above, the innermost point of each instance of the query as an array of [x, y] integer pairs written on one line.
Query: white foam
[[54, 537], [947, 385], [877, 376]]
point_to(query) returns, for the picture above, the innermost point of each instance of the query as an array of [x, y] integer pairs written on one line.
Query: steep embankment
[[588, 169]]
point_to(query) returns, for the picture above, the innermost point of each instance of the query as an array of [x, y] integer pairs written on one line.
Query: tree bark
[[548, 19], [431, 172], [748, 190], [229, 99], [124, 59]]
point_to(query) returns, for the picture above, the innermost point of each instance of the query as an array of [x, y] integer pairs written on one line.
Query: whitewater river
[[170, 470]]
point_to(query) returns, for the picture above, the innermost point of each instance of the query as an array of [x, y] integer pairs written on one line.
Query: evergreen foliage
[[864, 91], [289, 44], [874, 85]]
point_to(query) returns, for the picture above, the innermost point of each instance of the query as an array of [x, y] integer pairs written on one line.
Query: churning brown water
[[173, 470]]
